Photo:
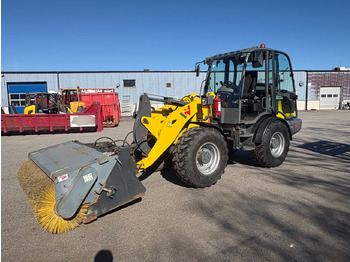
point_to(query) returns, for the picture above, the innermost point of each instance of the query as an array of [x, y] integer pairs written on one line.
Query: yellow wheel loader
[[247, 101]]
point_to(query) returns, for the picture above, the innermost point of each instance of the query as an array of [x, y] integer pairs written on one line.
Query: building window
[[129, 83], [323, 95], [17, 99], [168, 85]]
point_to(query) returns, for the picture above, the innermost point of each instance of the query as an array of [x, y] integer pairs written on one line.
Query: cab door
[[285, 104]]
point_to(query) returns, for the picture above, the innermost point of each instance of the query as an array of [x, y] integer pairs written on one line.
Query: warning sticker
[[88, 177], [62, 178]]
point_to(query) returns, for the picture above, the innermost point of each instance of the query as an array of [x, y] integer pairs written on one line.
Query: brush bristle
[[40, 193], [50, 221]]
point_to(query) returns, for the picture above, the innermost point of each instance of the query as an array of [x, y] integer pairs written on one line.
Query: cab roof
[[236, 54]]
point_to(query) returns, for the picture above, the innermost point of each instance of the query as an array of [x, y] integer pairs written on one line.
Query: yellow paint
[[27, 109], [280, 109], [75, 105], [167, 124]]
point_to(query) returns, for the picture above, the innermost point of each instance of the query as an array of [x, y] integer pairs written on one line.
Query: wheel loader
[[247, 101]]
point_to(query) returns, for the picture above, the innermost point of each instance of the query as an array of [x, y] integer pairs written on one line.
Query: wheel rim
[[208, 158], [277, 144]]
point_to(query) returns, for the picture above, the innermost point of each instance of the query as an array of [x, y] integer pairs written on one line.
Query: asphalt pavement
[[299, 211]]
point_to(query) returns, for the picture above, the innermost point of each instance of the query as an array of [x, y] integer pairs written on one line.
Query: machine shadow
[[169, 174], [328, 148], [241, 157], [132, 202]]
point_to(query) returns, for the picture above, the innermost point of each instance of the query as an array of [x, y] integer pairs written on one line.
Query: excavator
[[247, 101]]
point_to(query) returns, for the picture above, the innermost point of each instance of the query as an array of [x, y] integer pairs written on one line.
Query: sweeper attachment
[[248, 102], [72, 183]]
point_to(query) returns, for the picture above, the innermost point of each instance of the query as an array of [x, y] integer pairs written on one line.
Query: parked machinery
[[247, 101], [42, 103], [71, 99]]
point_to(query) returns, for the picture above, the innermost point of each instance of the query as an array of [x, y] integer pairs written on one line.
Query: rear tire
[[200, 156], [274, 147]]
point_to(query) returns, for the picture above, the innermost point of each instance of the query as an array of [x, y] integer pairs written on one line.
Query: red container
[[109, 102], [89, 120]]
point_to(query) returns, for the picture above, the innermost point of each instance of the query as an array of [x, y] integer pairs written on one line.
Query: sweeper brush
[[40, 193], [50, 221]]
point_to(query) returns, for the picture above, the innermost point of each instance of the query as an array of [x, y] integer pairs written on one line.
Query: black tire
[[200, 156], [274, 147]]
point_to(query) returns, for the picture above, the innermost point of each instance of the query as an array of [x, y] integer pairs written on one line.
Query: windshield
[[228, 72], [224, 73], [218, 77]]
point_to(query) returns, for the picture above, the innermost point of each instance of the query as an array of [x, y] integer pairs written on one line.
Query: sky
[[106, 35]]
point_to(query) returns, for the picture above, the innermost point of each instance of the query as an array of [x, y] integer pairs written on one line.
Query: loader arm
[[167, 131]]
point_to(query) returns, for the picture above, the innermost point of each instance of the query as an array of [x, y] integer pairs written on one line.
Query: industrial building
[[316, 89]]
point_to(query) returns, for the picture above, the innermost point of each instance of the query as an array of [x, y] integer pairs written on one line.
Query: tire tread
[[182, 153]]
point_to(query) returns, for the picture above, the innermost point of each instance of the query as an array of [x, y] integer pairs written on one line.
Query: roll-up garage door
[[17, 93], [330, 97]]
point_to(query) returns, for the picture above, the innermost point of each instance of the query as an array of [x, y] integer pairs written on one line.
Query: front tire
[[200, 156], [274, 146]]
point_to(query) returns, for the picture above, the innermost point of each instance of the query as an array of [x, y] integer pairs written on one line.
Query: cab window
[[284, 79]]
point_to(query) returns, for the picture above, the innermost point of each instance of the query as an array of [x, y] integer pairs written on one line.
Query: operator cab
[[251, 83]]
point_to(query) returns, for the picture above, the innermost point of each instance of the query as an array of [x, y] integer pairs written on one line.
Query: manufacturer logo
[[188, 110]]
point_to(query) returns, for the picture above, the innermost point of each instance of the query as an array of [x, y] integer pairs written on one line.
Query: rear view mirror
[[198, 69], [257, 59]]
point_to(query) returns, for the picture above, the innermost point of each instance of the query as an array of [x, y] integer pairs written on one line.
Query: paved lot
[[299, 211]]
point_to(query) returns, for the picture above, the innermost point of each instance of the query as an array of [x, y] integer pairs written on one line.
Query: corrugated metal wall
[[181, 82]]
